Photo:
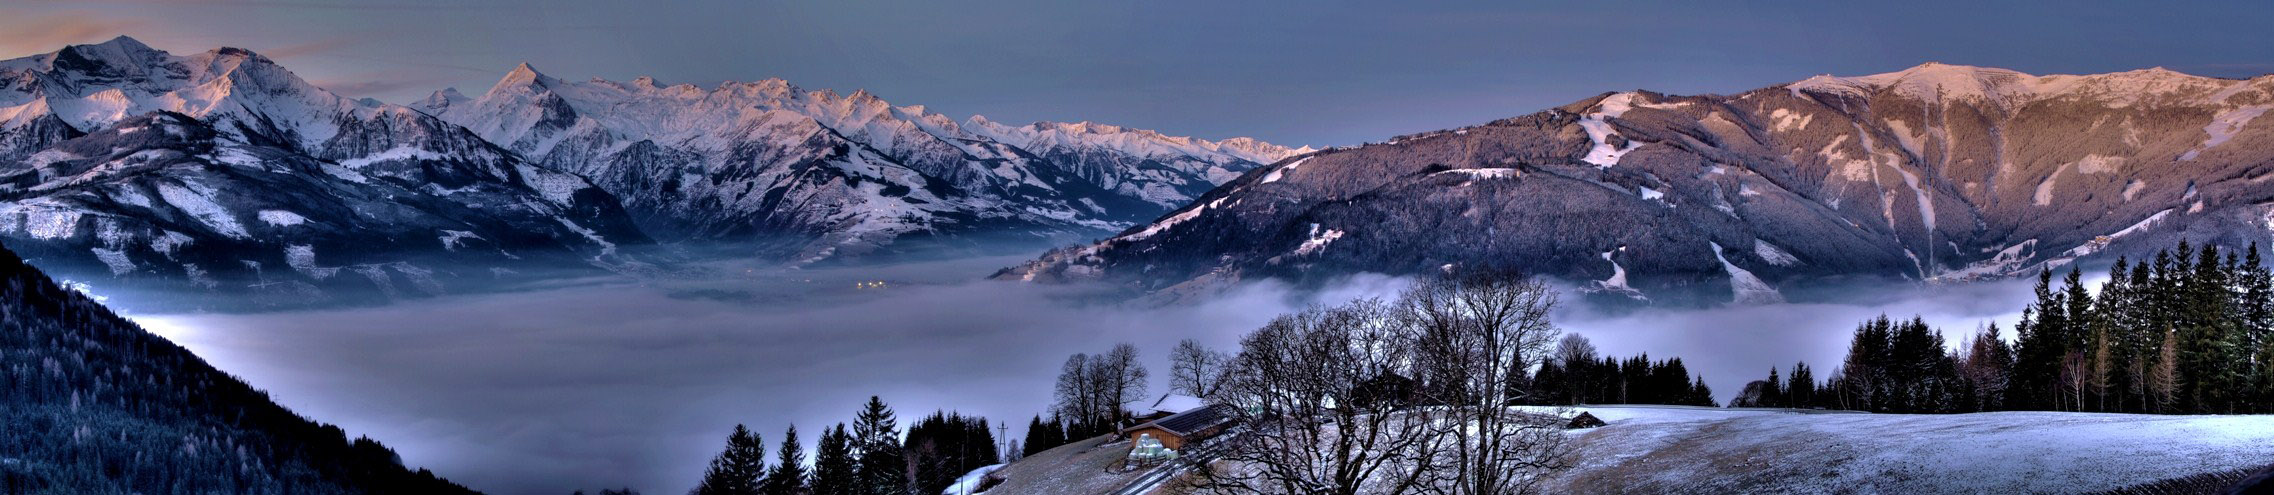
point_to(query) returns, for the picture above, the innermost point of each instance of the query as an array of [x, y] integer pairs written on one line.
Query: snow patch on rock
[[197, 201], [556, 187], [302, 258], [2224, 126], [1772, 254], [282, 218], [1486, 173], [1599, 130], [1749, 289], [606, 248], [41, 219], [115, 259], [1618, 281], [401, 153], [168, 242], [1318, 241], [2007, 262], [452, 238], [1279, 172], [1164, 224]]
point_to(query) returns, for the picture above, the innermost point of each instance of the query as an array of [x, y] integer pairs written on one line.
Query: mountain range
[[812, 175], [1936, 173], [122, 164]]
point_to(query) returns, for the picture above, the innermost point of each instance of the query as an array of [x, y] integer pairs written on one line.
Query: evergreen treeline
[[1574, 375], [870, 458], [92, 404], [1799, 391], [1044, 435], [1900, 367], [944, 446], [2190, 331]]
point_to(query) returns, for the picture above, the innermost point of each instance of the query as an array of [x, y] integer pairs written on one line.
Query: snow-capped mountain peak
[[1930, 81], [211, 167], [645, 140], [1139, 142], [91, 86], [1934, 81], [522, 78], [442, 99]]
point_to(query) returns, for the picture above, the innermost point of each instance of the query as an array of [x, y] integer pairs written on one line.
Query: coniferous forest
[[1574, 375], [92, 404], [2189, 331], [870, 459]]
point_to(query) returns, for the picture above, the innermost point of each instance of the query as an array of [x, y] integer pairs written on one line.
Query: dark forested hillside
[[92, 404]]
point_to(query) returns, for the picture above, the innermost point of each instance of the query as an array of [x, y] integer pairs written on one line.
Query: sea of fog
[[636, 383]]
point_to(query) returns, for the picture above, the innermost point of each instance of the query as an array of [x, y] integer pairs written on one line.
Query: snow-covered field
[[1676, 449], [1084, 467]]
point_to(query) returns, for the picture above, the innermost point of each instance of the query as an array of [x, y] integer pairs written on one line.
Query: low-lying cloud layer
[[637, 384], [546, 392]]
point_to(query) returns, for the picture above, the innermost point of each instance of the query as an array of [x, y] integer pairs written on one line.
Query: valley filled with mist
[[621, 381]]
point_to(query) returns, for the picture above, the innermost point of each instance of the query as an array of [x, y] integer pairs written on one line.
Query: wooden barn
[[1180, 429]]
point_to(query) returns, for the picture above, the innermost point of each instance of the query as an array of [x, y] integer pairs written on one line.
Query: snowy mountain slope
[[222, 170], [1670, 449], [1164, 170], [1938, 172], [816, 175]]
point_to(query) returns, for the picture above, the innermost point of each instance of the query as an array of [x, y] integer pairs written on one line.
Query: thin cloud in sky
[[29, 34]]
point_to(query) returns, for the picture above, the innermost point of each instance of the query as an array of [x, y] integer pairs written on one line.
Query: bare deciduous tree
[[1124, 378], [1412, 396], [1195, 369], [1095, 390], [1480, 334], [1077, 394], [1315, 425]]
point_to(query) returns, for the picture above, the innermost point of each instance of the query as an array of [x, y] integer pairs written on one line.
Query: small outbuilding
[[1583, 420], [1169, 405], [1185, 428]]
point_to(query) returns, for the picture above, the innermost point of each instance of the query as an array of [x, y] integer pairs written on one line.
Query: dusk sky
[[1317, 73]]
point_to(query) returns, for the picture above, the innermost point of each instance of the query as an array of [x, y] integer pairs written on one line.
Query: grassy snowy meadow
[[1667, 449], [636, 382]]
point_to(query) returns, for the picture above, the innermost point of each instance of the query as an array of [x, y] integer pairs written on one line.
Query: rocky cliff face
[[1935, 173]]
